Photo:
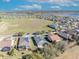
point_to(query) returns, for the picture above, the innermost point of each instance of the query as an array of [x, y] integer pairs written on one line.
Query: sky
[[37, 5]]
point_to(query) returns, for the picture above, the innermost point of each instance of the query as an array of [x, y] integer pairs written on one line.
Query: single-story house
[[77, 30], [39, 41], [54, 26], [65, 35], [23, 43], [76, 34], [54, 37], [6, 43]]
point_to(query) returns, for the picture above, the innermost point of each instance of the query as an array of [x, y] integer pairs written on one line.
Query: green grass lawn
[[10, 26]]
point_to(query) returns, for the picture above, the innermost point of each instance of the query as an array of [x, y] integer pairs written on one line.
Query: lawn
[[10, 26]]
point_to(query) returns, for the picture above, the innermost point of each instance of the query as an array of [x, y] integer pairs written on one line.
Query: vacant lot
[[9, 26], [72, 53]]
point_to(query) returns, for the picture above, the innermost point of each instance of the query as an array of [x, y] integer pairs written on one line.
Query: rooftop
[[54, 37], [6, 42]]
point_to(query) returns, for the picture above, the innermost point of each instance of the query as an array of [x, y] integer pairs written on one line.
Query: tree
[[60, 46], [26, 57], [42, 32], [32, 55], [32, 46], [49, 51], [11, 53], [77, 39]]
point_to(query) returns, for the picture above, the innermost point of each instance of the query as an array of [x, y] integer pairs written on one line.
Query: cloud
[[17, 9], [74, 4], [39, 1], [7, 1], [60, 1], [33, 6], [28, 7], [56, 7], [54, 1], [66, 3], [69, 5]]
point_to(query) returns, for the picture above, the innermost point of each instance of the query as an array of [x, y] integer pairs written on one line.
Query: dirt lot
[[72, 53], [8, 26]]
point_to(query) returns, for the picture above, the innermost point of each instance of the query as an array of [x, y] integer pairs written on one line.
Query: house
[[66, 35], [23, 43], [76, 34], [77, 30], [39, 41], [54, 26], [53, 37], [6, 43], [26, 43]]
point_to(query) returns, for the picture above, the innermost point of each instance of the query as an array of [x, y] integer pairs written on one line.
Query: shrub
[[11, 53]]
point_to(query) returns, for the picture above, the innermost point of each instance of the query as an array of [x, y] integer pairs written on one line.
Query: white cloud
[[66, 3], [54, 1], [39, 1], [7, 1], [28, 7], [60, 1], [56, 7], [34, 6], [74, 4], [17, 9]]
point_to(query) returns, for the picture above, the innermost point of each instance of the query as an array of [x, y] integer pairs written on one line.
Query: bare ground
[[72, 53], [8, 26]]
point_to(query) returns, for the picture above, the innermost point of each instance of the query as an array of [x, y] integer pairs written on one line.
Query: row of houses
[[68, 29], [16, 16], [70, 34], [23, 43]]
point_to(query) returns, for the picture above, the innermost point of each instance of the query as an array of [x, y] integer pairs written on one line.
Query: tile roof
[[54, 37]]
